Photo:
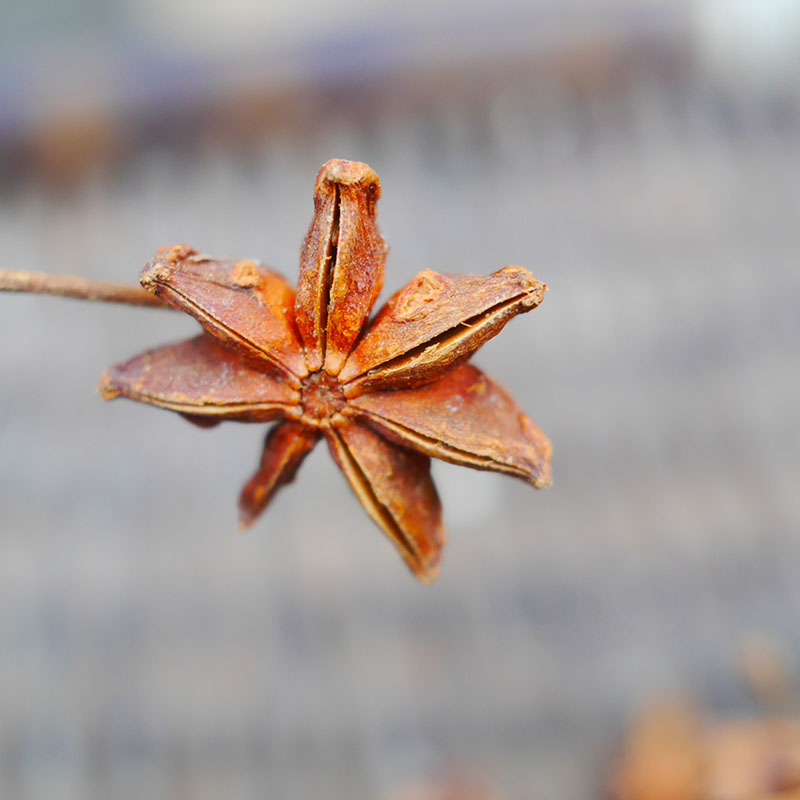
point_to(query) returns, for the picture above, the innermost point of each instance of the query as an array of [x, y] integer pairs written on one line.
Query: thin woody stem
[[72, 286]]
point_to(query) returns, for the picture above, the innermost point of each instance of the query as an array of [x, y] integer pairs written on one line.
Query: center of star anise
[[321, 396]]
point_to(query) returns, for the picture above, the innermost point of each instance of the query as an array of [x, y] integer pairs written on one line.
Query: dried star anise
[[386, 394]]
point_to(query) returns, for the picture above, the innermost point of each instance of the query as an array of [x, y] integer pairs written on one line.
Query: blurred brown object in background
[[753, 758], [65, 148], [675, 754], [457, 786], [663, 759], [771, 682]]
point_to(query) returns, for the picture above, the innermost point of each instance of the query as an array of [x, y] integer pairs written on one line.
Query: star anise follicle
[[387, 394]]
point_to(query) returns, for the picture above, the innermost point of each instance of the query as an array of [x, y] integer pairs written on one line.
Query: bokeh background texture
[[641, 158]]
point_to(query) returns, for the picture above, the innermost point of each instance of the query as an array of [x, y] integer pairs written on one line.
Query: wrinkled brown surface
[[269, 354], [341, 263], [434, 322], [239, 302], [202, 378], [287, 444], [395, 487], [464, 418]]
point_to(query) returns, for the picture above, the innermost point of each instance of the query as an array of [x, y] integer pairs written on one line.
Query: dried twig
[[73, 286]]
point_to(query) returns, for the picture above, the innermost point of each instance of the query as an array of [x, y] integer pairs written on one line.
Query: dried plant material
[[235, 301], [434, 323], [286, 446], [14, 280], [395, 487], [341, 263], [464, 418], [202, 378], [386, 395]]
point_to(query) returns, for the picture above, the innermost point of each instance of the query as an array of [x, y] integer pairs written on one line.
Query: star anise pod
[[386, 394]]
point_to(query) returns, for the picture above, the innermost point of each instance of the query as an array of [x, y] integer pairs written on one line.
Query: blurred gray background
[[640, 157]]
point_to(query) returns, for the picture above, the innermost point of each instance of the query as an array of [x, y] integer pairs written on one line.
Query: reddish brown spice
[[386, 394]]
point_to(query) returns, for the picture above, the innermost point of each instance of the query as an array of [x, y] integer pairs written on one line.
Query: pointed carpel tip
[[245, 522], [427, 573], [534, 289], [348, 173], [543, 478], [161, 267], [106, 387], [154, 273]]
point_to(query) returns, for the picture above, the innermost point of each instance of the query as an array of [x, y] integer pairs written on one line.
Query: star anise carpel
[[387, 394]]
